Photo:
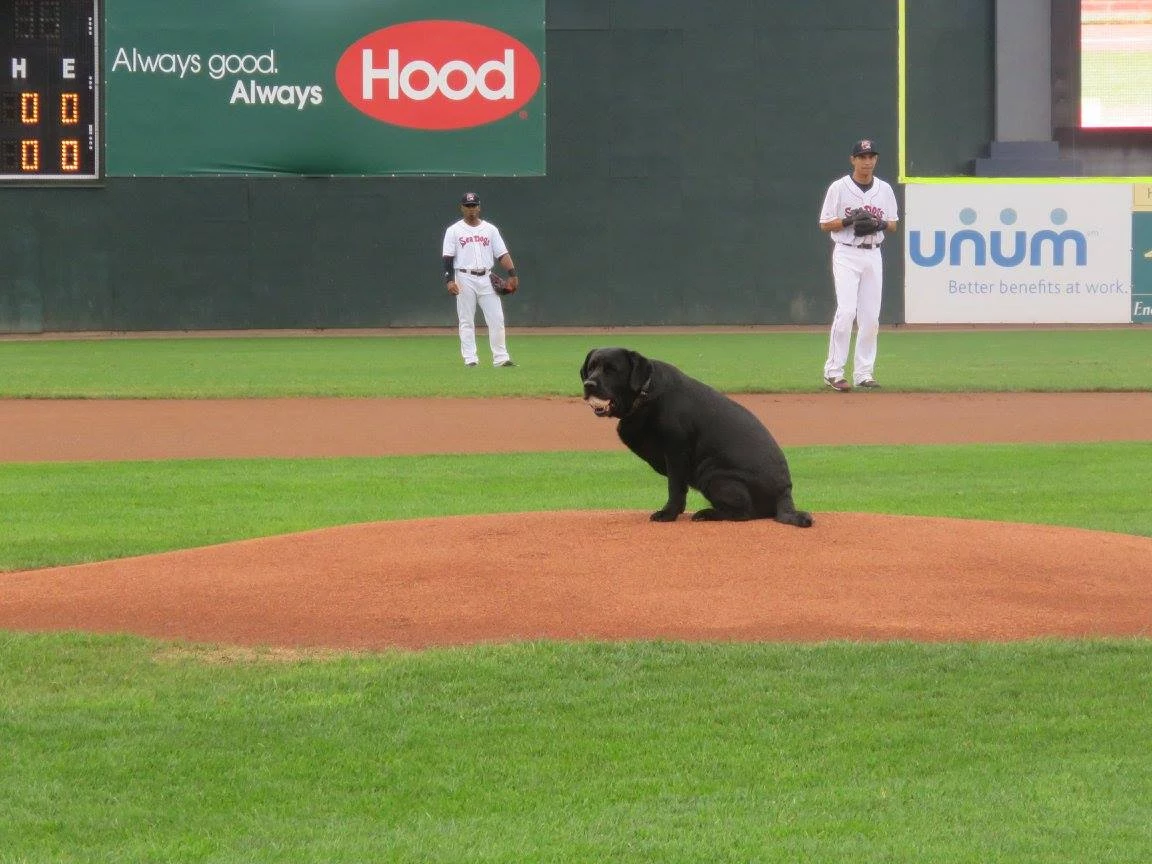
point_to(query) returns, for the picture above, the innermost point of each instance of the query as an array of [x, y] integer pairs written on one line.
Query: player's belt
[[860, 245], [473, 272]]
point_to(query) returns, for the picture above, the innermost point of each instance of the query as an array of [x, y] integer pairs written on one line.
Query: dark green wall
[[951, 83], [689, 147]]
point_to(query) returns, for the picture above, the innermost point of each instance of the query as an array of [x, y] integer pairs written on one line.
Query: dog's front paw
[[664, 516], [708, 514]]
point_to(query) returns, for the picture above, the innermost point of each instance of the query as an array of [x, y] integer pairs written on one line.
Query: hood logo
[[438, 75], [1009, 248]]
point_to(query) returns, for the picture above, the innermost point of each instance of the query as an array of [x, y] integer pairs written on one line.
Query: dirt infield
[[584, 575], [34, 430]]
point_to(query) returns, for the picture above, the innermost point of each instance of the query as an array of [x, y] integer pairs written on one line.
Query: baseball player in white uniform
[[471, 248], [859, 210]]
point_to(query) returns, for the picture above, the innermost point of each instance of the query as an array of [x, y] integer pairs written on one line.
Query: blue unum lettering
[[938, 248], [1058, 241], [1021, 247]]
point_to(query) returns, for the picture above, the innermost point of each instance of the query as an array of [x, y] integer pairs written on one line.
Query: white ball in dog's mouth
[[597, 404]]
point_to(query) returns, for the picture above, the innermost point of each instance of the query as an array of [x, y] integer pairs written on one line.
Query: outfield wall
[[687, 149], [688, 146]]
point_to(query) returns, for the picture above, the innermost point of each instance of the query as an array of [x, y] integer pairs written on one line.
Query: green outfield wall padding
[[688, 149], [951, 80]]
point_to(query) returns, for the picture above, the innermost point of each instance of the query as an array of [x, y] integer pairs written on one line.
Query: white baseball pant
[[477, 291], [859, 278]]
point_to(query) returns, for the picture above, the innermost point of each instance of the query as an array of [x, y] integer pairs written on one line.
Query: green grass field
[[63, 513], [120, 750], [910, 360], [117, 749]]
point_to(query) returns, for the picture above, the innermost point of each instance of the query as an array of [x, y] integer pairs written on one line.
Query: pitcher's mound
[[609, 575]]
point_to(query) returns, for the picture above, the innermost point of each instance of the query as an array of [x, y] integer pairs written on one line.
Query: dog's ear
[[641, 371], [584, 367]]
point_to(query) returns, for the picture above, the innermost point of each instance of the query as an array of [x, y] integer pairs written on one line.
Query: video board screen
[[1115, 64]]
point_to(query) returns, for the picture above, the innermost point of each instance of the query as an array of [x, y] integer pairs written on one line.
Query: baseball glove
[[864, 223], [500, 285]]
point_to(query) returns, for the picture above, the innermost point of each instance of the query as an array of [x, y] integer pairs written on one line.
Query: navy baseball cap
[[865, 147], [470, 199]]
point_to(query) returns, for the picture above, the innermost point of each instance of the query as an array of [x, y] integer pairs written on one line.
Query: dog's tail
[[787, 513], [799, 518]]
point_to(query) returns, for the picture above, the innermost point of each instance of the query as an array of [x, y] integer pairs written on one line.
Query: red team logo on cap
[[438, 74]]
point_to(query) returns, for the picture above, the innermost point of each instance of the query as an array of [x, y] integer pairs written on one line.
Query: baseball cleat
[[840, 385], [869, 384], [471, 363], [506, 363]]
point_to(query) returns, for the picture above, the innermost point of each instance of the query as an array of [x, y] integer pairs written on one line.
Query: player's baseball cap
[[865, 147], [470, 199]]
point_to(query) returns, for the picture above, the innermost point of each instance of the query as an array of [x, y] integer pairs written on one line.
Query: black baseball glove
[[864, 223]]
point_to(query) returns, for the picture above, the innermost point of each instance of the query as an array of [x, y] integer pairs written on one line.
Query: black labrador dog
[[695, 436]]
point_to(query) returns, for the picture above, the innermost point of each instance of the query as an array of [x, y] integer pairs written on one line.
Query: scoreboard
[[49, 91]]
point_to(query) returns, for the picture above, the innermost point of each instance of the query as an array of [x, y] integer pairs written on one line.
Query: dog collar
[[641, 397]]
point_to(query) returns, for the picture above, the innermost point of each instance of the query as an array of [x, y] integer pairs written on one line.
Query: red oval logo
[[438, 74]]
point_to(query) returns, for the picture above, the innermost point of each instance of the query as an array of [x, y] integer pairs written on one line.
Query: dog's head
[[613, 379]]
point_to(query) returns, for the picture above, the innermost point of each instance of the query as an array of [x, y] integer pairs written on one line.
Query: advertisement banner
[[1142, 253], [324, 87], [1018, 254]]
